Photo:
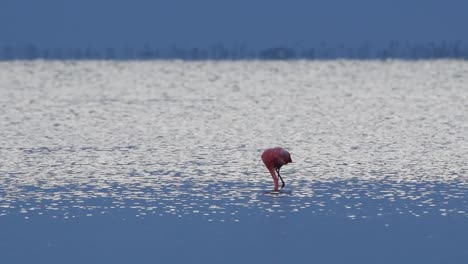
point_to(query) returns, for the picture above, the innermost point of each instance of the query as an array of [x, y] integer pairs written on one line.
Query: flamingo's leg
[[277, 171]]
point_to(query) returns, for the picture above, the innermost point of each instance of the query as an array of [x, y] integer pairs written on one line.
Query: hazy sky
[[256, 23]]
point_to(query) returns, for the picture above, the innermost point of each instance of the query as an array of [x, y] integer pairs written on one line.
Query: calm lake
[[159, 161]]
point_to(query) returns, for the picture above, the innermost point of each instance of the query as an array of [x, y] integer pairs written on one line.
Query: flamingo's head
[[287, 158]]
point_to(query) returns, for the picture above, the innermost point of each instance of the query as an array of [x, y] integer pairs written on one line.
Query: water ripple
[[369, 139]]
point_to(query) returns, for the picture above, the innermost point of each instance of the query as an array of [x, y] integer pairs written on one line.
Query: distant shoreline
[[394, 50]]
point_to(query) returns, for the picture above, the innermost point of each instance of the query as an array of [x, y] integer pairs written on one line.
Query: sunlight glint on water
[[368, 139]]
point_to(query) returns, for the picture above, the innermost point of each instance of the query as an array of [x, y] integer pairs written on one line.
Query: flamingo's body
[[274, 158]]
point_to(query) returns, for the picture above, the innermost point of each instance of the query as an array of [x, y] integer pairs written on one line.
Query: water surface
[[157, 157]]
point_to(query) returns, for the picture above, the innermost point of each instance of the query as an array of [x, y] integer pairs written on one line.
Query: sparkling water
[[175, 145]]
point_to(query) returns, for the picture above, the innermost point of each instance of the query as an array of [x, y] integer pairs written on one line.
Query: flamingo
[[273, 159]]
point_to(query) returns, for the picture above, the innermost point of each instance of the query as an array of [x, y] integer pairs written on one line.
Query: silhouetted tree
[[109, 53], [31, 52], [278, 54], [128, 52], [77, 54], [8, 53]]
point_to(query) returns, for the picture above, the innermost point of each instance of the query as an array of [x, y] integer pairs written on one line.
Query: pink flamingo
[[273, 159]]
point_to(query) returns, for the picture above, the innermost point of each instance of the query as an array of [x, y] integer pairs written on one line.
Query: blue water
[[306, 236], [159, 162]]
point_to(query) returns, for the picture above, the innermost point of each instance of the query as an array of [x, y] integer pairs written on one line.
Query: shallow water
[[175, 147]]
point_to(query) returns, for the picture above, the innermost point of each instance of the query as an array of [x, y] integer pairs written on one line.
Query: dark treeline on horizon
[[394, 50]]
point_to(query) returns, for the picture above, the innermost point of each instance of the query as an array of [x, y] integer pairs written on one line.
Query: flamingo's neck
[[275, 178]]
